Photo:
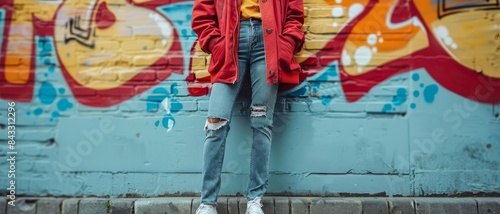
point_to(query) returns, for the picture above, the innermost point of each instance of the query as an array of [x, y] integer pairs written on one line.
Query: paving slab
[[70, 206], [233, 206], [122, 205], [299, 205], [3, 205], [163, 205], [281, 205], [488, 205], [48, 205], [401, 205], [445, 205], [94, 206], [335, 205], [23, 206], [375, 206]]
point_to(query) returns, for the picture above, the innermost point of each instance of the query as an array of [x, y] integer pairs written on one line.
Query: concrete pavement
[[272, 205]]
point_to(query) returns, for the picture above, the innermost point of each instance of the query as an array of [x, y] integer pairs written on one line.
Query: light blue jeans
[[252, 63]]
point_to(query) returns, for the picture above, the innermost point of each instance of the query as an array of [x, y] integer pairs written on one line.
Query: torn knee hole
[[258, 111], [215, 123]]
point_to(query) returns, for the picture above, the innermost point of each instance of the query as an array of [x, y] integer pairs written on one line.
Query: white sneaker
[[206, 209], [254, 206]]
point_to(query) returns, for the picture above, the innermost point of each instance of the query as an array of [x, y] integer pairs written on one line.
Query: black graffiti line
[[67, 40], [86, 37]]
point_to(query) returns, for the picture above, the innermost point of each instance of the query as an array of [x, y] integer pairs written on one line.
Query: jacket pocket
[[218, 56], [286, 60]]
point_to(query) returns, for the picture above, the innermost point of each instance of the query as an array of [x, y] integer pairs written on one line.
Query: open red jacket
[[217, 22]]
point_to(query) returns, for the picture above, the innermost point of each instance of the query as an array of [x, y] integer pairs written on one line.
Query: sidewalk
[[237, 205]]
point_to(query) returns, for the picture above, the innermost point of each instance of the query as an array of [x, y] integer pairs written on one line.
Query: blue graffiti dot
[[28, 113], [415, 77], [51, 120], [47, 46], [63, 104], [387, 108], [47, 93], [52, 69], [46, 62], [173, 89], [38, 111], [400, 97], [175, 106], [61, 90], [416, 93], [168, 121], [46, 74], [188, 16], [413, 105], [430, 92], [55, 114], [153, 101], [157, 123], [184, 32], [326, 100], [193, 33], [421, 85]]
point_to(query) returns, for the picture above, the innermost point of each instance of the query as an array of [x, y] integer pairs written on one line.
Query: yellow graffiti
[[18, 54], [101, 44], [377, 39], [104, 58]]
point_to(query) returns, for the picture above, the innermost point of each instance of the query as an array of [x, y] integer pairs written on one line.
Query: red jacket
[[217, 24]]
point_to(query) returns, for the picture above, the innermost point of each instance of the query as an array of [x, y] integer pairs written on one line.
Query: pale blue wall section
[[450, 138], [407, 136]]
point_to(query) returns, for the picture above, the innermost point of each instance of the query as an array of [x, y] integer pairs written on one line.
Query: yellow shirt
[[250, 9]]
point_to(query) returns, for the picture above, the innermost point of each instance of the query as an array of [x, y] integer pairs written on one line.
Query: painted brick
[[488, 205], [374, 206], [318, 106], [327, 205], [299, 205], [48, 205], [23, 206], [298, 106], [93, 206], [161, 205], [122, 206], [345, 107], [401, 205], [203, 105], [445, 205]]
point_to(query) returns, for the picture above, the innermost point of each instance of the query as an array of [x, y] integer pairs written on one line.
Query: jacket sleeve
[[205, 24], [294, 21]]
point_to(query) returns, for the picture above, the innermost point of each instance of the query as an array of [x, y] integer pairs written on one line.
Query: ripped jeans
[[252, 63]]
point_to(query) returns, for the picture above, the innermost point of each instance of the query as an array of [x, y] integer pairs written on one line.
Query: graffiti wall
[[397, 97]]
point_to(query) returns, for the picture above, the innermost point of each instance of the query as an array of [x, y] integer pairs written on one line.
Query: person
[[254, 39]]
